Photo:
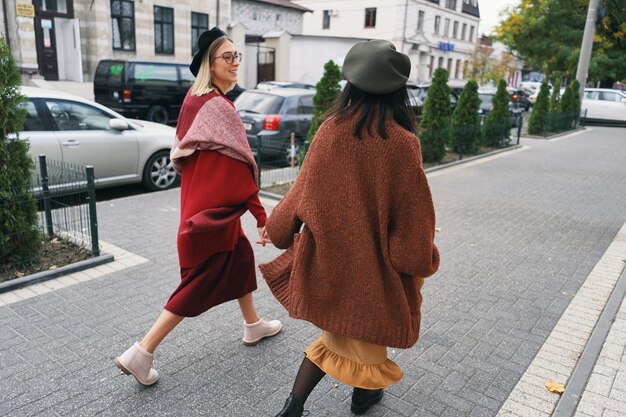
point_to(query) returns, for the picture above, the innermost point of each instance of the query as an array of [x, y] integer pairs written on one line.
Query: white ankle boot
[[255, 332], [136, 361]]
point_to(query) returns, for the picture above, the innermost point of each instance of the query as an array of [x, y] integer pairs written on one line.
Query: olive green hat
[[376, 67]]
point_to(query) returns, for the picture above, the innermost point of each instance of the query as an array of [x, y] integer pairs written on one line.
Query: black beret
[[205, 40], [375, 67]]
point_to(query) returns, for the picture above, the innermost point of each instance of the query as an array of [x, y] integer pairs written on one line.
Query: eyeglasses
[[231, 57]]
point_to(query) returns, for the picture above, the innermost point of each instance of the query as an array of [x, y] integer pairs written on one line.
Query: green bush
[[327, 91], [537, 124], [20, 236], [576, 101], [465, 137], [435, 123], [555, 106], [568, 110], [497, 127]]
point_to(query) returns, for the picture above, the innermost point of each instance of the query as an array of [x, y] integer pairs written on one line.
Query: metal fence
[[66, 208], [278, 165]]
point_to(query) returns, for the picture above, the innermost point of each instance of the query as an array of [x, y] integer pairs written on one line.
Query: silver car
[[71, 129]]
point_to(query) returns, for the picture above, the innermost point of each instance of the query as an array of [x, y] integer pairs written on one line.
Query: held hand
[[263, 236]]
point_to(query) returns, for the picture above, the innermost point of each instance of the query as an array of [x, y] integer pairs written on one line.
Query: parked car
[[73, 130], [603, 105], [270, 85], [272, 116], [153, 91], [418, 94], [486, 105], [520, 96]]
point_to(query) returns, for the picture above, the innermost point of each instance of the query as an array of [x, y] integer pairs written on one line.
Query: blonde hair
[[203, 84]]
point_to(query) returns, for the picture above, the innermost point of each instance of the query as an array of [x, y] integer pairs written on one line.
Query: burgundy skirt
[[223, 277]]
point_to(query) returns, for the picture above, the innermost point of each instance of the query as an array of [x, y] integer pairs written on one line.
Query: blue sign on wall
[[446, 46]]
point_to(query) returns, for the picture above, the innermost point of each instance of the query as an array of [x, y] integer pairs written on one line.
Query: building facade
[[262, 16], [65, 39], [433, 33]]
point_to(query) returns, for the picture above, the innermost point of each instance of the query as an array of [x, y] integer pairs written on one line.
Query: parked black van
[[142, 89]]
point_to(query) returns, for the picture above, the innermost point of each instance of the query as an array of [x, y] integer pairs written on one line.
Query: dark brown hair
[[372, 108]]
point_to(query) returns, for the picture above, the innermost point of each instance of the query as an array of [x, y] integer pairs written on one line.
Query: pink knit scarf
[[216, 127]]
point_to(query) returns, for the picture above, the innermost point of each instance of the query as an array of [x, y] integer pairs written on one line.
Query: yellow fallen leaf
[[555, 387], [53, 267], [19, 274], [437, 229]]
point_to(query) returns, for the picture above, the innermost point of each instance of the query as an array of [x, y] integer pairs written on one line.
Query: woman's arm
[[256, 208]]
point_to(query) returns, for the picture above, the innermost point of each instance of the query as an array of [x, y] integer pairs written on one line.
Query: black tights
[[308, 377]]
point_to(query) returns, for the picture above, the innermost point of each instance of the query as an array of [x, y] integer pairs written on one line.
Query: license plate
[[247, 126]]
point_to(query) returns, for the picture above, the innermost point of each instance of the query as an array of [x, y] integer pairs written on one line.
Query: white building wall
[[260, 18], [397, 21], [307, 67]]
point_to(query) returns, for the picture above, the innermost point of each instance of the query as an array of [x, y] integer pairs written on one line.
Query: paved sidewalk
[[521, 233]]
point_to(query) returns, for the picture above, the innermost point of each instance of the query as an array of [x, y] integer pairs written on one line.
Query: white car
[[603, 105], [71, 129]]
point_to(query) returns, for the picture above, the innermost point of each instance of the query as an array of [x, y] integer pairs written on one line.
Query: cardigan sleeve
[[412, 228], [283, 223]]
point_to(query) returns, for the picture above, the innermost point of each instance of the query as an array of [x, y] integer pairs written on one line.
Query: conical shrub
[[537, 123], [497, 128], [435, 123], [465, 136]]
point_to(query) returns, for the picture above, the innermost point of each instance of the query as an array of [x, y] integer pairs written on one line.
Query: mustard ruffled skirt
[[354, 362]]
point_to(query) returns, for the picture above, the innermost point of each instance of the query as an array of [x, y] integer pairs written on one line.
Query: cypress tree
[[466, 121], [555, 100], [20, 237], [576, 101], [567, 109], [435, 122], [497, 128], [539, 115], [327, 90]]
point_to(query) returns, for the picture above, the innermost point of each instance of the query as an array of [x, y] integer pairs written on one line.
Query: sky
[[489, 13]]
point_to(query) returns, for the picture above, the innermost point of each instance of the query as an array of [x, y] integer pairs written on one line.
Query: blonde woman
[[219, 184]]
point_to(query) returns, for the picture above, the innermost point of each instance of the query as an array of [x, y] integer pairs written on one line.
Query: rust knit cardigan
[[369, 224]]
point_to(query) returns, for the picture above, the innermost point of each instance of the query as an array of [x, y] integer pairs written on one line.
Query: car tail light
[[514, 97], [126, 96], [271, 122]]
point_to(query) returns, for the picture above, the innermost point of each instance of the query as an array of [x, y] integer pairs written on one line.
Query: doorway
[[46, 48]]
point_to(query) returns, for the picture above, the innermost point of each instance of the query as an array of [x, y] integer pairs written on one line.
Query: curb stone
[[42, 276]]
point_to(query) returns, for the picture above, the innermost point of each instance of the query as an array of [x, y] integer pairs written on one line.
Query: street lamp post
[[587, 45]]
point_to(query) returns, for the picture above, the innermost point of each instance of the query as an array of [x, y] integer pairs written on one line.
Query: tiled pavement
[[520, 233]]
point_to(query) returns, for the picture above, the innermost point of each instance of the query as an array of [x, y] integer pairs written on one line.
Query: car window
[[256, 102], [109, 73], [33, 120], [606, 96], [153, 72], [72, 115], [306, 105], [592, 95]]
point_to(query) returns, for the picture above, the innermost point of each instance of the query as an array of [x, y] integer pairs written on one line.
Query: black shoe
[[364, 399], [293, 408]]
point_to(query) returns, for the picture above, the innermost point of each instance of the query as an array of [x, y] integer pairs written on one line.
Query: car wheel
[[288, 155], [159, 174], [158, 114]]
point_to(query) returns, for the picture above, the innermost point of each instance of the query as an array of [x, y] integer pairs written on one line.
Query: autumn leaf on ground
[[437, 229], [19, 274], [53, 267], [555, 387]]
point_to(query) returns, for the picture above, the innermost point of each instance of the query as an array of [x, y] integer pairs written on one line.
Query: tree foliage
[[435, 123], [19, 234], [327, 90], [538, 122], [497, 128], [548, 35], [466, 132]]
